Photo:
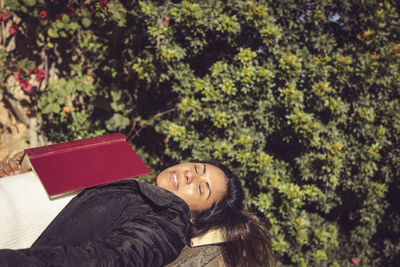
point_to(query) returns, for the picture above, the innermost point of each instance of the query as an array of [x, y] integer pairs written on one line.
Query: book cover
[[84, 163]]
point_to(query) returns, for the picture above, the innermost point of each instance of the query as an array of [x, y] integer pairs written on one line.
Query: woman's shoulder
[[117, 204]]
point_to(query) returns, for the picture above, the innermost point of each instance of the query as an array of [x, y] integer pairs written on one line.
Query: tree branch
[[137, 132], [16, 110], [158, 42]]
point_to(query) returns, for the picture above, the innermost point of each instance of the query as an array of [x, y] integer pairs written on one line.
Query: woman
[[137, 224]]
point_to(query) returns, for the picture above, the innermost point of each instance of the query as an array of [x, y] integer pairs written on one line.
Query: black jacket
[[121, 224]]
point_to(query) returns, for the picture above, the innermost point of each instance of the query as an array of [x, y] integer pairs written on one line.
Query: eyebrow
[[207, 183]]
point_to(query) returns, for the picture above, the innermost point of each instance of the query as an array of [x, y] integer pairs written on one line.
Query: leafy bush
[[301, 99]]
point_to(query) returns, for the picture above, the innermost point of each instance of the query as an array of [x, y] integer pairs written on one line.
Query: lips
[[175, 179]]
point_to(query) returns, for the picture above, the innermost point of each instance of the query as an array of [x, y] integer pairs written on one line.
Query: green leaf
[[63, 34], [30, 3], [51, 108], [86, 22], [65, 18], [25, 64], [117, 122], [58, 24], [24, 9], [52, 33], [73, 25]]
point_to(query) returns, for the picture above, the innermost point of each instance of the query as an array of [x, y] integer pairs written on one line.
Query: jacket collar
[[158, 195], [163, 198]]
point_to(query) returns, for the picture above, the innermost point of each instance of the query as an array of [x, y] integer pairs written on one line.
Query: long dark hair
[[249, 243]]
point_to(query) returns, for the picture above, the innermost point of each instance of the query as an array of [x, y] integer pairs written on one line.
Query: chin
[[163, 181]]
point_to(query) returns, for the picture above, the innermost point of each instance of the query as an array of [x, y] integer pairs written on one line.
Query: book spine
[[74, 145]]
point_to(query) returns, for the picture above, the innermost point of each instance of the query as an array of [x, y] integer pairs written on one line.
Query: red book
[[84, 163]]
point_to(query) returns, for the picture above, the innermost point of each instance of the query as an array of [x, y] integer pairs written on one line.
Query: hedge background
[[300, 98]]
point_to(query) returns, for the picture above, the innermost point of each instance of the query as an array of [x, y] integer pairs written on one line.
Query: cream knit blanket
[[26, 210]]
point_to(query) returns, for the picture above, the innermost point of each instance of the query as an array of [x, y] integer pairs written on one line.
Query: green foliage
[[300, 98], [65, 106]]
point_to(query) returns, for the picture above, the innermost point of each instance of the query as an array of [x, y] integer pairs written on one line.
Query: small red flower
[[18, 75], [32, 71], [26, 85], [13, 29], [59, 16], [71, 9], [40, 74], [356, 261], [103, 1], [42, 14], [4, 15], [166, 21]]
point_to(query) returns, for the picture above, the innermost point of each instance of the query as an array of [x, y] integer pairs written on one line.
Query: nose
[[190, 176]]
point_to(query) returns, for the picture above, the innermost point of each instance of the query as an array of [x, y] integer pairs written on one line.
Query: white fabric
[[26, 210]]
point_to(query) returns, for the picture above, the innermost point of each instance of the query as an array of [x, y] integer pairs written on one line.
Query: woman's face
[[199, 184]]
